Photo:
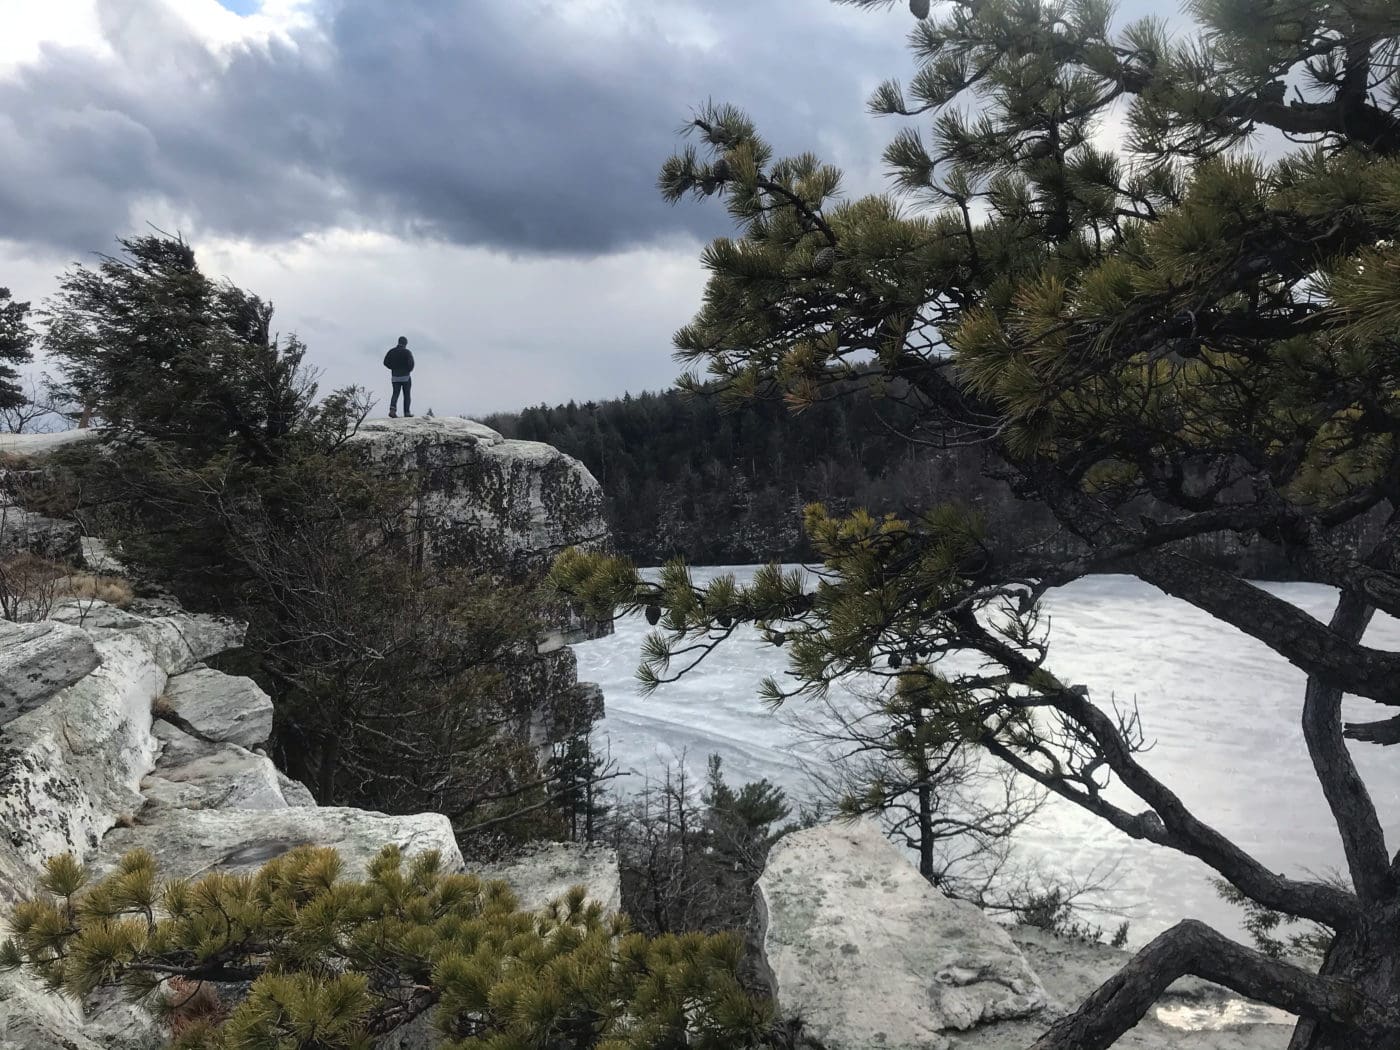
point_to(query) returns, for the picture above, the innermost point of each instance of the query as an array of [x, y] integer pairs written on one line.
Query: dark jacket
[[399, 361]]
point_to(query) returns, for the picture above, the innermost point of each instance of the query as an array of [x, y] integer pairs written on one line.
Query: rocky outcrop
[[867, 955], [39, 659], [480, 501], [86, 768], [485, 501], [549, 870], [115, 735], [71, 767], [122, 738], [505, 507], [211, 705]]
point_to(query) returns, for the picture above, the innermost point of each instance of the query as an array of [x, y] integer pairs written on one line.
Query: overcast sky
[[478, 175]]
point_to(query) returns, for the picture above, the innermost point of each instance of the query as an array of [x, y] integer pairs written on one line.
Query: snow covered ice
[[1221, 708]]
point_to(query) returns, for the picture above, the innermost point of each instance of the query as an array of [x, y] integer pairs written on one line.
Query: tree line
[[723, 481]]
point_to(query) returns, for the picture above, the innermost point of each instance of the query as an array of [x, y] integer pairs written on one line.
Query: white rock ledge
[[242, 840], [220, 707], [39, 659], [868, 954]]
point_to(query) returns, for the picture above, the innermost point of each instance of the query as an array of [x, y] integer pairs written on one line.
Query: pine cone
[[919, 8], [896, 660], [725, 620], [825, 260], [720, 170], [779, 638], [653, 614]]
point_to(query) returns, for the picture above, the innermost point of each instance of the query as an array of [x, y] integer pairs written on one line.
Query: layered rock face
[[869, 956], [506, 507], [480, 501], [485, 501], [127, 740]]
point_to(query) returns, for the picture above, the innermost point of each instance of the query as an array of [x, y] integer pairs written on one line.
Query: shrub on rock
[[331, 963]]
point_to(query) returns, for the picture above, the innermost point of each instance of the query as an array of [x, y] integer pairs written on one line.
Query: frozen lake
[[1222, 709]]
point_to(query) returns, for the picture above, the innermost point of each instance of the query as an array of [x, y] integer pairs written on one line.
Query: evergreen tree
[[689, 856], [16, 341], [154, 347], [900, 755], [312, 961], [670, 465], [1160, 342], [577, 774], [741, 826]]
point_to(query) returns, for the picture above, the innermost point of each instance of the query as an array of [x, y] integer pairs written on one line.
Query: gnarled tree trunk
[[1366, 958]]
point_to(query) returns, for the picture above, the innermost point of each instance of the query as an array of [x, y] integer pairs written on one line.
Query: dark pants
[[405, 385]]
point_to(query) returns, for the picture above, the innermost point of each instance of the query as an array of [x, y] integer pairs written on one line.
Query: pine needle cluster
[[315, 961]]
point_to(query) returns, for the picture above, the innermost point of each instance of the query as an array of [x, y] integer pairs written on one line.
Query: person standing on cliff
[[399, 362]]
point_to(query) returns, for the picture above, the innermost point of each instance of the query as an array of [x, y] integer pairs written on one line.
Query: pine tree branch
[[1191, 947], [1296, 636], [1363, 838], [1179, 827]]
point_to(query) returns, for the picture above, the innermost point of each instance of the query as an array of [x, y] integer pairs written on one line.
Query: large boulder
[[214, 706], [549, 870], [39, 659], [200, 774], [484, 501], [227, 777], [867, 954], [241, 841], [72, 767], [178, 641]]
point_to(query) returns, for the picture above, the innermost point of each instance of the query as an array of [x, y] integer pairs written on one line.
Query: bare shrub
[[86, 586], [189, 1003], [29, 586], [690, 851]]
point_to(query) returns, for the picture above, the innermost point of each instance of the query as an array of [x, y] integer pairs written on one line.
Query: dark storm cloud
[[497, 123]]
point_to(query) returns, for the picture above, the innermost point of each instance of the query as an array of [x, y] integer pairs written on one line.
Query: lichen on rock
[[483, 500]]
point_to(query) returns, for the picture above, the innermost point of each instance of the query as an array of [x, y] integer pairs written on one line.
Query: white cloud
[[224, 30], [30, 24], [528, 132], [490, 331]]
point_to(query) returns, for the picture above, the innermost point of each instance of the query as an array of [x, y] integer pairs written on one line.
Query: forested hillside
[[683, 473], [726, 484]]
